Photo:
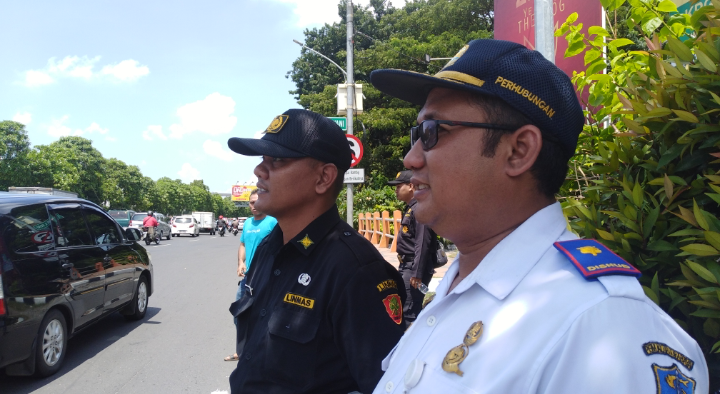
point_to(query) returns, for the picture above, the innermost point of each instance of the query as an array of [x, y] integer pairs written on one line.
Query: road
[[180, 344]]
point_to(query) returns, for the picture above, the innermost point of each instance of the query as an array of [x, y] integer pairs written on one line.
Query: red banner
[[515, 21]]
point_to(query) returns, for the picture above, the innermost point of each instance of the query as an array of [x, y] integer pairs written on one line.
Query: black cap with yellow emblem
[[401, 177], [299, 133], [520, 77]]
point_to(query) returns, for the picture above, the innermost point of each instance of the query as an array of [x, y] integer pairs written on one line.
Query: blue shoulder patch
[[594, 259]]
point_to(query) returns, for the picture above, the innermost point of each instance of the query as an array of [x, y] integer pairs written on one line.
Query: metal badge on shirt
[[304, 279]]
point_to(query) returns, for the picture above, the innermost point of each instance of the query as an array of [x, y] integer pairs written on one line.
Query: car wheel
[[140, 301], [168, 237], [51, 343]]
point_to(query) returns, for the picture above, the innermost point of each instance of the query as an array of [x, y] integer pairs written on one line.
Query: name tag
[[298, 300]]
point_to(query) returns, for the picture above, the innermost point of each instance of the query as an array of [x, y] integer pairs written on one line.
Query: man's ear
[[327, 173], [523, 149]]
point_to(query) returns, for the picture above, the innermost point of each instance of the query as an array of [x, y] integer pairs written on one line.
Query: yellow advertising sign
[[242, 192]]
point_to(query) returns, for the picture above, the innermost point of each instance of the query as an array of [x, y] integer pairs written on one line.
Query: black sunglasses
[[427, 130]]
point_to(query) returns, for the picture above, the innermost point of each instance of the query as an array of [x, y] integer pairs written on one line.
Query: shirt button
[[247, 356], [277, 272], [263, 312], [431, 321], [389, 386]]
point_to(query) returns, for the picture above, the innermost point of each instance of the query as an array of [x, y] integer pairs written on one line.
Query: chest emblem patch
[[306, 242], [393, 306], [671, 380], [405, 229], [304, 279], [651, 348], [299, 300], [456, 355]]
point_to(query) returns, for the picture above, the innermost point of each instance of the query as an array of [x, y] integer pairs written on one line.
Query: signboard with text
[[355, 175], [342, 122], [242, 192], [515, 21]]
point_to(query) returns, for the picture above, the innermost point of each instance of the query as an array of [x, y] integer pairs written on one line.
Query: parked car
[[64, 265], [163, 228], [122, 216], [241, 223], [185, 225]]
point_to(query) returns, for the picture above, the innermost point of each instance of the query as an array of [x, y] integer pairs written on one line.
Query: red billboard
[[515, 21]]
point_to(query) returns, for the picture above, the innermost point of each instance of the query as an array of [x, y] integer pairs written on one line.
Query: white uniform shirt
[[547, 329]]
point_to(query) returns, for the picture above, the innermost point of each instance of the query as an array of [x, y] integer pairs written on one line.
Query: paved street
[[177, 348]]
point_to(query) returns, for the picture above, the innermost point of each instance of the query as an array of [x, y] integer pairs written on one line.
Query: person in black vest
[[416, 246], [322, 308]]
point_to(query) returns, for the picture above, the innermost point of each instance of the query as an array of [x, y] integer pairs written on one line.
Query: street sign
[[342, 122], [356, 148], [355, 175]]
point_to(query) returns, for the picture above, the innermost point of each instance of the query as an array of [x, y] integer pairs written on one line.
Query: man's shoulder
[[345, 239]]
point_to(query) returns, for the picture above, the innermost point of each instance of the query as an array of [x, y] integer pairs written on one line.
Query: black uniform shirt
[[323, 312], [416, 244]]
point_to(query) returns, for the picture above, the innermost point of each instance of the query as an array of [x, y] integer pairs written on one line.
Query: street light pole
[[350, 99]]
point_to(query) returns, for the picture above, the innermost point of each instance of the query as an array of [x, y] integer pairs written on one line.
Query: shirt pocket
[[291, 347]]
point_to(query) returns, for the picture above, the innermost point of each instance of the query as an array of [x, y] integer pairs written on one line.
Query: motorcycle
[[148, 240], [234, 231], [222, 231]]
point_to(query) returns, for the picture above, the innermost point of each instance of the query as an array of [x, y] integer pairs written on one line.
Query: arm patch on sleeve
[[594, 259]]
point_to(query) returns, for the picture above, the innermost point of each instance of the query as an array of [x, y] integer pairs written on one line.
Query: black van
[[64, 264]]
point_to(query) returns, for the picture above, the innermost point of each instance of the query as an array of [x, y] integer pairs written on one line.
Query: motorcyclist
[[151, 223], [221, 223], [235, 223]]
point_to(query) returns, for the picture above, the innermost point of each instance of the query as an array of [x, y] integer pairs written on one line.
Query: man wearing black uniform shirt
[[416, 248], [321, 307]]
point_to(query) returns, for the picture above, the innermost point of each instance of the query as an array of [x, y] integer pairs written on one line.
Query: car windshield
[[118, 214], [183, 220], [139, 216]]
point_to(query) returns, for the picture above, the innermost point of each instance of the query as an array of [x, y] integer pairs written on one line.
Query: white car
[[185, 225]]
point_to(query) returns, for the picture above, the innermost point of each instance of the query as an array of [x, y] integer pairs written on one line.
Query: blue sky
[[157, 84]]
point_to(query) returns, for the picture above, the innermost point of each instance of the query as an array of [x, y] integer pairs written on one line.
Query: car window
[[139, 216], [69, 226], [119, 214], [103, 228], [29, 229], [182, 220]]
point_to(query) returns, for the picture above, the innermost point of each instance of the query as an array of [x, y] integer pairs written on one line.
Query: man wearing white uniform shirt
[[526, 307]]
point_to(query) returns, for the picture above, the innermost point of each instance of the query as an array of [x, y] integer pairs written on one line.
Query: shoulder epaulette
[[594, 259]]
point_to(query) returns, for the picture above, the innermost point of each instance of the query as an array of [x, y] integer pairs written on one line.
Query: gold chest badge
[[277, 124], [456, 355]]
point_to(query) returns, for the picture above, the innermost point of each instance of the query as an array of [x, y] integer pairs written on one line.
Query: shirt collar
[[307, 239], [500, 272]]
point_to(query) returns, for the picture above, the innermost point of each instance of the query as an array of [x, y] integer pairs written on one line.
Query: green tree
[[123, 185], [646, 180], [14, 149]]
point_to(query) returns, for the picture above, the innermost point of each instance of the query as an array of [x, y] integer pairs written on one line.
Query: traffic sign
[[355, 175], [356, 148], [342, 122]]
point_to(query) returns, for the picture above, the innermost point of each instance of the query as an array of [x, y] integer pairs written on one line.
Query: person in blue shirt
[[254, 231]]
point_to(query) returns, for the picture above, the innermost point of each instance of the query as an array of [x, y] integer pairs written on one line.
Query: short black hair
[[550, 167]]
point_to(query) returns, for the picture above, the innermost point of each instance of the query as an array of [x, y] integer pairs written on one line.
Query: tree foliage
[[386, 37], [647, 178], [73, 164]]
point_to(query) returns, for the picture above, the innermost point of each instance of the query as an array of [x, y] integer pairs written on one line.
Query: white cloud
[[188, 173], [154, 131], [215, 149], [24, 118], [317, 12], [111, 139], [59, 129], [213, 116], [126, 70], [83, 68]]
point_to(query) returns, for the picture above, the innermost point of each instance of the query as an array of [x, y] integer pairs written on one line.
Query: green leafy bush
[[645, 181]]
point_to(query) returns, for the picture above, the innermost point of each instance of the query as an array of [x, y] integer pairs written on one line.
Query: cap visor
[[394, 183], [414, 87], [260, 147]]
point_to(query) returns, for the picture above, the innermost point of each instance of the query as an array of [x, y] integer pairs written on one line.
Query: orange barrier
[[379, 228]]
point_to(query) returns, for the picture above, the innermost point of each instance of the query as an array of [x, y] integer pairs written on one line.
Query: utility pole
[[350, 98], [544, 37]]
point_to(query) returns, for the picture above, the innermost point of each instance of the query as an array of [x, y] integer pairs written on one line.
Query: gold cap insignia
[[306, 242], [398, 175], [277, 124], [457, 56], [590, 250]]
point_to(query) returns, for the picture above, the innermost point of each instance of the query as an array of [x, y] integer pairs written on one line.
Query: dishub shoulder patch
[[594, 259]]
